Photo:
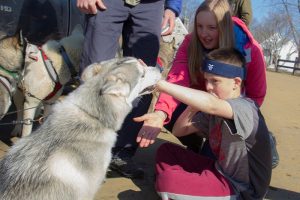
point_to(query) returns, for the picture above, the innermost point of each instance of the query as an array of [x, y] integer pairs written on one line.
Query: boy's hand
[[153, 123]]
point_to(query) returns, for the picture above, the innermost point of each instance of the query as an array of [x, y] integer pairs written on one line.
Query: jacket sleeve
[[255, 83], [179, 74], [174, 5]]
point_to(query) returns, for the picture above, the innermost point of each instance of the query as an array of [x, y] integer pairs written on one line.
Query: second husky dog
[[68, 155]]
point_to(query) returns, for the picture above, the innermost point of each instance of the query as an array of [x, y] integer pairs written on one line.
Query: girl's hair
[[196, 54]]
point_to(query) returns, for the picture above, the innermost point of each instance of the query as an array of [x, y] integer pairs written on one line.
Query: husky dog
[[18, 58], [44, 78], [12, 50], [68, 155]]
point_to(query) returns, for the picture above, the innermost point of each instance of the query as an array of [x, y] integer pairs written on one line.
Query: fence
[[286, 64]]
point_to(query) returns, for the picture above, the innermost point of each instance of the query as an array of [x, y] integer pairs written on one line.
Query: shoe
[[126, 167], [274, 152]]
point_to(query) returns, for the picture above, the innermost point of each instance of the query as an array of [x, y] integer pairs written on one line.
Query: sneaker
[[275, 155], [126, 167]]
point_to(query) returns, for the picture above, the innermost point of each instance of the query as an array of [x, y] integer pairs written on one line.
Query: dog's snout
[[159, 67]]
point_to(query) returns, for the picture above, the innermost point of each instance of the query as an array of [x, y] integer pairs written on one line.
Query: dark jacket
[[242, 9]]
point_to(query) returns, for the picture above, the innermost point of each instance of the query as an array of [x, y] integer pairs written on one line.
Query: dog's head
[[123, 77], [110, 87], [12, 52]]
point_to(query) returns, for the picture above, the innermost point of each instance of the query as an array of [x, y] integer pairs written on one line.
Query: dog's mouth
[[148, 90]]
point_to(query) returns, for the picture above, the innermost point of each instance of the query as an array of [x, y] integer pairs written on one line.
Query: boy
[[237, 133]]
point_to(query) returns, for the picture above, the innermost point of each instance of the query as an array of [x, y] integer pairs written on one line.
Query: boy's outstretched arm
[[197, 99]]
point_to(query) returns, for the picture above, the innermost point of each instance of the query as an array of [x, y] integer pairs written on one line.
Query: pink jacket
[[255, 83]]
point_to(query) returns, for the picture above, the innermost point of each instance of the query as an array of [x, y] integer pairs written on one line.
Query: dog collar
[[14, 74], [222, 69]]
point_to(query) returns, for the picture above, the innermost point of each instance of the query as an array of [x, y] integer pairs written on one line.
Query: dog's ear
[[21, 38], [91, 71], [115, 85]]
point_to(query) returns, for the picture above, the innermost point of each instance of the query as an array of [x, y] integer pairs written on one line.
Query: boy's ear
[[237, 82]]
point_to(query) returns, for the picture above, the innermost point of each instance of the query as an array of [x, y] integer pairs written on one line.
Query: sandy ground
[[282, 113]]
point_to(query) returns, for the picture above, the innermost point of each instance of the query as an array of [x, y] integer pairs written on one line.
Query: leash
[[44, 101], [25, 121]]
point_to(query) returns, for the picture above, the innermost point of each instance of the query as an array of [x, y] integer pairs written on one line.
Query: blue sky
[[259, 7]]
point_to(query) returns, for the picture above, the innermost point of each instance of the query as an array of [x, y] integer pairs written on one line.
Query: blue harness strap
[[68, 61]]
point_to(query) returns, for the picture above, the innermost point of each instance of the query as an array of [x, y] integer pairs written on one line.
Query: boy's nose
[[209, 87]]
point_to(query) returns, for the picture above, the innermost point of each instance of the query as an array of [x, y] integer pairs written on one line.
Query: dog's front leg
[[30, 107]]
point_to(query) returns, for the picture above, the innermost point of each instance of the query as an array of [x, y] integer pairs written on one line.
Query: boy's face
[[222, 87]]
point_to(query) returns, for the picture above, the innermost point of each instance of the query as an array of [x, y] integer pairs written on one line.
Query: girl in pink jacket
[[217, 31]]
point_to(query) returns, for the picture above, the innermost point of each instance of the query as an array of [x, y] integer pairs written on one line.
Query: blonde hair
[[221, 11]]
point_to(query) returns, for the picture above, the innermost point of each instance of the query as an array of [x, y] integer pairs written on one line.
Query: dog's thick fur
[[36, 78], [68, 155]]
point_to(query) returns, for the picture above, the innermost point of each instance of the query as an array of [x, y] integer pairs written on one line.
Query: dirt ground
[[282, 113]]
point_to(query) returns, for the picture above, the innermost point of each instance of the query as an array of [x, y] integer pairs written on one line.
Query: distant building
[[277, 48]]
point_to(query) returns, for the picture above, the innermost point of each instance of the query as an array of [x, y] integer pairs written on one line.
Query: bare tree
[[272, 33], [292, 11]]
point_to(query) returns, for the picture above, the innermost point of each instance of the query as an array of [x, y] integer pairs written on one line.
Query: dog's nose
[[161, 69]]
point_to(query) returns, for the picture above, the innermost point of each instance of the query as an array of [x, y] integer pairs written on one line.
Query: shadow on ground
[[117, 187], [281, 194]]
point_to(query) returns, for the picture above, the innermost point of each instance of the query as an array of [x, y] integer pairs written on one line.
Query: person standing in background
[[241, 9]]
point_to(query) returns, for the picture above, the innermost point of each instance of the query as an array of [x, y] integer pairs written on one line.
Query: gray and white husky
[[68, 155]]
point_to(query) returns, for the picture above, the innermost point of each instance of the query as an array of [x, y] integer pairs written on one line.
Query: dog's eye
[[144, 73]]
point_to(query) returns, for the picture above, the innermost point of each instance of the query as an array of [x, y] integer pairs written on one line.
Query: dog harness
[[34, 52], [6, 84], [6, 81], [68, 61], [53, 74]]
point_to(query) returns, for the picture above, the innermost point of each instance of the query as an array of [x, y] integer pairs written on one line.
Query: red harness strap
[[58, 85]]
